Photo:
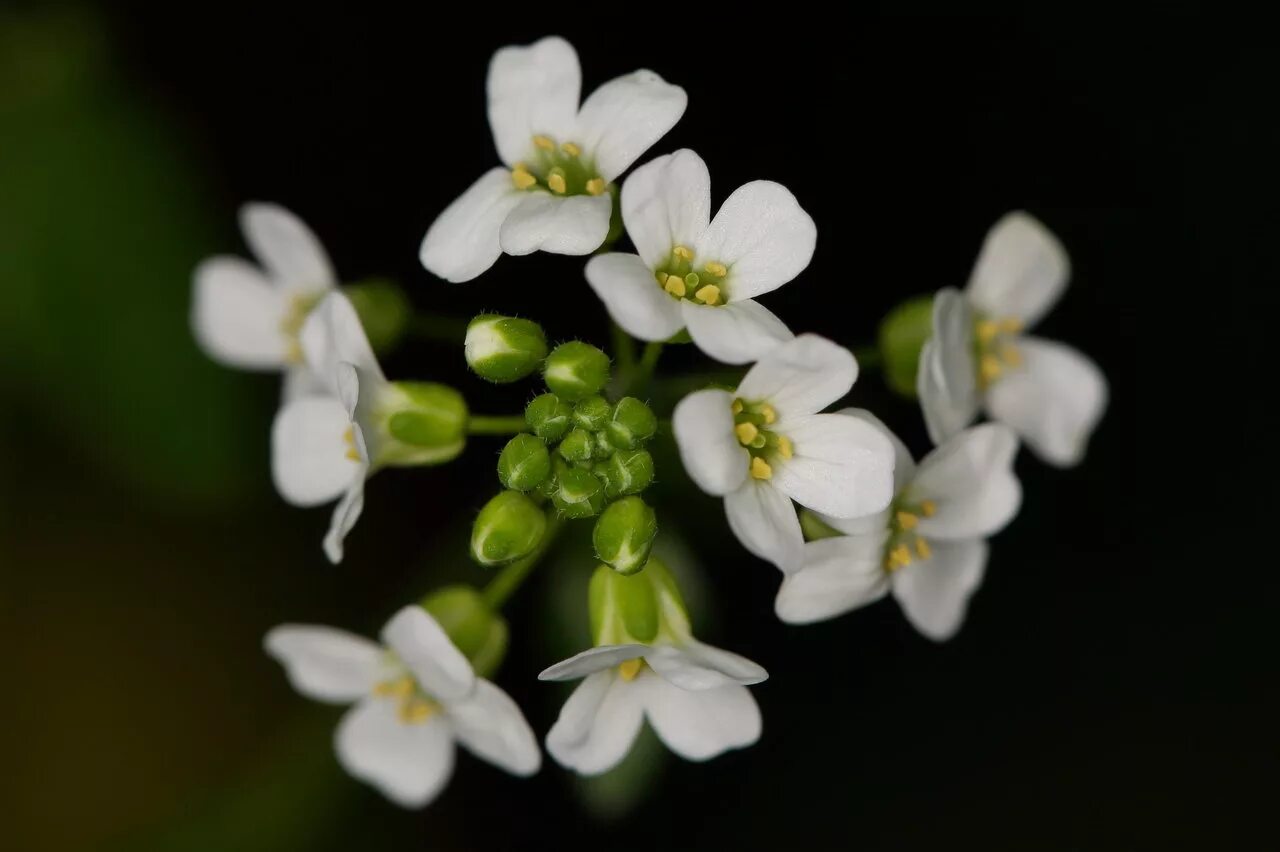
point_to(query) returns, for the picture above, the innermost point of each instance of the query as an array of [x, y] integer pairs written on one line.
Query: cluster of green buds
[[582, 456]]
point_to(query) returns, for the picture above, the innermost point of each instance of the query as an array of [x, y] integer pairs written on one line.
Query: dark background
[[145, 552]]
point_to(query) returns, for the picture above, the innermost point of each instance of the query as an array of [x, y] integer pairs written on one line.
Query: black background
[[1051, 722]]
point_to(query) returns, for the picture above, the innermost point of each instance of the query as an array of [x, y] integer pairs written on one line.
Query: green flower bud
[[548, 416], [508, 527], [577, 446], [600, 447], [383, 309], [592, 413], [504, 349], [624, 533], [525, 463], [425, 423], [579, 494], [627, 472], [632, 424], [637, 607], [903, 333], [479, 632], [576, 370]]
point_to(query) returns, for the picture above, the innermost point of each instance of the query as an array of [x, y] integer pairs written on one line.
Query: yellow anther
[[595, 186], [785, 448], [1010, 355], [760, 468], [737, 406], [521, 178], [682, 253], [928, 507], [907, 521], [1011, 325], [544, 142], [571, 149], [899, 557], [630, 668], [747, 432], [709, 294], [922, 549], [353, 455], [675, 286], [293, 353], [401, 687], [349, 437], [415, 711], [719, 270], [989, 368], [769, 413], [987, 331], [556, 183]]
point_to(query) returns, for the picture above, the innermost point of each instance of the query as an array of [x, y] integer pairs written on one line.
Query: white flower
[[695, 696], [764, 445], [250, 316], [553, 195], [700, 273], [928, 548], [978, 358], [413, 699]]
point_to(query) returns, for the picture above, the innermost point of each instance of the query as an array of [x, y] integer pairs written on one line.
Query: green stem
[[510, 578], [437, 328], [624, 348], [639, 378], [480, 424]]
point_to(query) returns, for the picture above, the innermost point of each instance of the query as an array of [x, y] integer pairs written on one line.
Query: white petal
[[762, 235], [325, 663], [904, 466], [765, 522], [426, 650], [970, 479], [935, 592], [712, 456], [593, 660], [333, 335], [1053, 400], [561, 225], [291, 254], [597, 725], [463, 241], [236, 315], [490, 725], [839, 574], [623, 118], [842, 466], [736, 333], [345, 515], [667, 203], [1021, 271], [633, 297], [301, 382], [945, 380], [309, 453], [407, 763], [533, 90], [800, 377], [696, 666], [698, 725]]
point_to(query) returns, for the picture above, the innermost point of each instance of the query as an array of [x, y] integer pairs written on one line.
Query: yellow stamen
[[682, 253], [595, 186], [544, 142], [1010, 355], [630, 668], [401, 687], [989, 368], [675, 286], [737, 406], [349, 436], [571, 149], [415, 711], [770, 415], [928, 507], [709, 294], [922, 549], [719, 270], [747, 433], [521, 178], [987, 331], [785, 448], [760, 468], [556, 183], [899, 557], [907, 521], [1011, 325], [353, 454]]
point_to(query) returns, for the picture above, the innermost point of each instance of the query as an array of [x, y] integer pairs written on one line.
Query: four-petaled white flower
[[764, 445], [414, 698], [700, 273], [1050, 394], [928, 548], [250, 316], [553, 195]]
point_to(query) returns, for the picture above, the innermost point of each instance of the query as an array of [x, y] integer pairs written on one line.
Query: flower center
[[904, 542], [750, 420], [295, 316], [629, 670], [416, 706], [559, 169], [702, 283], [994, 349]]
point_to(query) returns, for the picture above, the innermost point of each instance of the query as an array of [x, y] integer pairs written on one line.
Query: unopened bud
[[624, 534], [504, 349], [632, 424], [577, 446], [524, 463], [548, 416], [592, 413], [508, 527], [576, 370], [627, 472], [579, 494]]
